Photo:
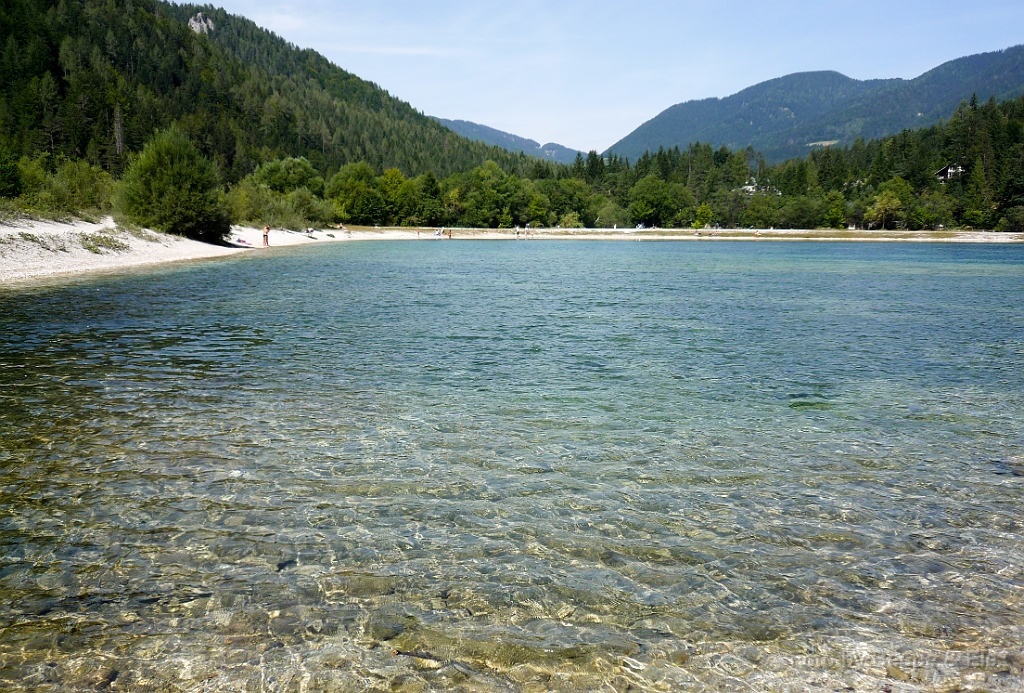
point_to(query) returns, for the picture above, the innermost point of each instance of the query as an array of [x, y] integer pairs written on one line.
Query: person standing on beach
[[266, 236]]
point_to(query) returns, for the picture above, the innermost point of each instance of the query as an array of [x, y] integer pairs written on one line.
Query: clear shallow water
[[518, 467]]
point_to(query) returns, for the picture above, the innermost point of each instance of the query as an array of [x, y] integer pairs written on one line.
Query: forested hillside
[[742, 119], [474, 131], [263, 132], [781, 117], [93, 79], [892, 183]]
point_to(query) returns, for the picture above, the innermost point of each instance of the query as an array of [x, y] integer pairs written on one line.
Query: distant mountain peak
[[782, 117], [514, 143]]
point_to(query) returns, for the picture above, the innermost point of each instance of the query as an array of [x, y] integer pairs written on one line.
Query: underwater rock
[[894, 672], [384, 628]]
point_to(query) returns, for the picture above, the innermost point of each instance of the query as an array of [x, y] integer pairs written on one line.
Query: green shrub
[[611, 214], [835, 215], [10, 175], [286, 175], [310, 207], [76, 185], [248, 201], [658, 203], [33, 174], [354, 190], [255, 203], [10, 209], [171, 187], [703, 217], [570, 220], [52, 243], [1012, 220], [98, 242]]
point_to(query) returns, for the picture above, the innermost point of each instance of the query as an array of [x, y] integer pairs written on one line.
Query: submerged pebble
[[508, 468]]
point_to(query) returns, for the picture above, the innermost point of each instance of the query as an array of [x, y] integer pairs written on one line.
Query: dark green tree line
[[294, 141]]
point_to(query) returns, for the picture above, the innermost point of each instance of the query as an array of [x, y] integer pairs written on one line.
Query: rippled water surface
[[518, 467]]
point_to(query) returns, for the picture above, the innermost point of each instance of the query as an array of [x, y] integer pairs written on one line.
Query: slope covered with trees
[[93, 79], [781, 117], [292, 140], [514, 143], [890, 183]]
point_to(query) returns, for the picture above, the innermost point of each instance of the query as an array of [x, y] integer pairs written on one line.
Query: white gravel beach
[[31, 248], [34, 248]]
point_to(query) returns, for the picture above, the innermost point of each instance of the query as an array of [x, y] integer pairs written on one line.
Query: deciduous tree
[[172, 188]]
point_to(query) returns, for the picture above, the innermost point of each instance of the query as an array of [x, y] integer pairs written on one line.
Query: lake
[[518, 466]]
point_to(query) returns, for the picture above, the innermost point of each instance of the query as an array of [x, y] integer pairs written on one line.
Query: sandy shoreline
[[30, 249]]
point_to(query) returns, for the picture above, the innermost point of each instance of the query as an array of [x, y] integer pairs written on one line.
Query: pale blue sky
[[585, 74]]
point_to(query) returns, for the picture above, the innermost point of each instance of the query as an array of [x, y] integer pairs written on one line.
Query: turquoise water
[[499, 466]]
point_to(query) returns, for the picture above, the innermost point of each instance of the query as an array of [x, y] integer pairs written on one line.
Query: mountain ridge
[[551, 151], [781, 116], [93, 79]]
